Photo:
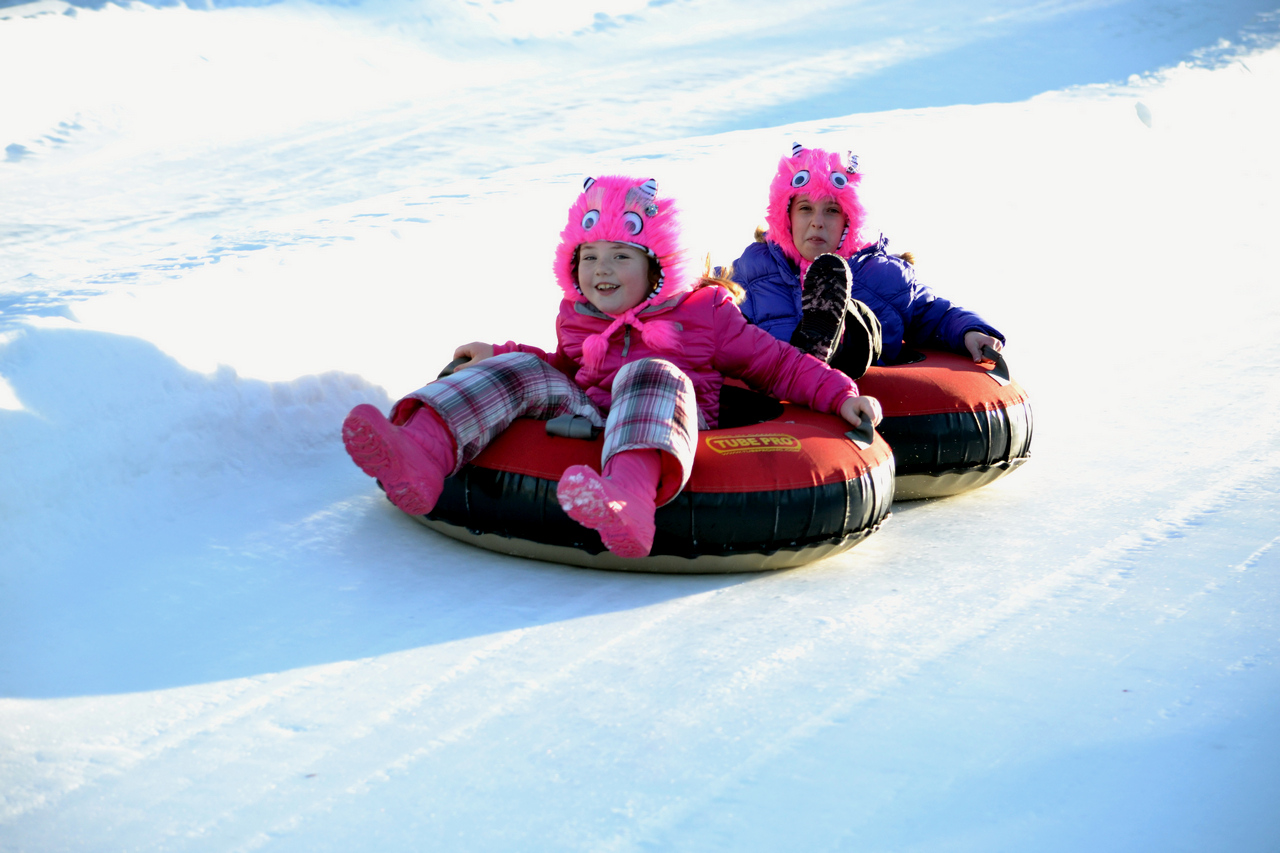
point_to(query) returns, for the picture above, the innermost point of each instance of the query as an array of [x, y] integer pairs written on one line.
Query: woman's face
[[816, 227], [613, 276]]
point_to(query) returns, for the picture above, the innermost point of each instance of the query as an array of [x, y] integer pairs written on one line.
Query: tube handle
[[1000, 373], [452, 366], [863, 435]]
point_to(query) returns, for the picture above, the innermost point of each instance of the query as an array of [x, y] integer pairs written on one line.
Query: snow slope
[[216, 635]]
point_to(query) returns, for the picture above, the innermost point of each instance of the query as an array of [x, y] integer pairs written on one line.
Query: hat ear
[[645, 195], [796, 148], [586, 185]]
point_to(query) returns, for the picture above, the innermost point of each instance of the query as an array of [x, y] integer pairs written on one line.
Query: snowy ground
[[221, 229]]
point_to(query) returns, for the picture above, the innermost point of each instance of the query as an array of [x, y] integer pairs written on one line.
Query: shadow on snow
[[168, 528]]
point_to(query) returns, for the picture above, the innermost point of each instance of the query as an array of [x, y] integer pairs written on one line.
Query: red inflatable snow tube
[[953, 425], [768, 495]]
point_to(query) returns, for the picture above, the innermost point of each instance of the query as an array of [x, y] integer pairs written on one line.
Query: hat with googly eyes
[[623, 210], [821, 175]]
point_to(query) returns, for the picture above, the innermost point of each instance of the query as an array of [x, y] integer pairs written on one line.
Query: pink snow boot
[[618, 505], [410, 461]]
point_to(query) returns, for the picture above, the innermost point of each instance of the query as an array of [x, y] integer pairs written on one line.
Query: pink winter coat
[[714, 341]]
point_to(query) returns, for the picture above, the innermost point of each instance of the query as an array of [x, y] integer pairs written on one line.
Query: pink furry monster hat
[[626, 210], [623, 210], [820, 174]]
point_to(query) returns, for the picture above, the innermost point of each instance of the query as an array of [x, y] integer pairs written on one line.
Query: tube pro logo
[[754, 443]]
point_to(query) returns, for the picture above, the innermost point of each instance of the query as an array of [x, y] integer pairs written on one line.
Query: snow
[[225, 227]]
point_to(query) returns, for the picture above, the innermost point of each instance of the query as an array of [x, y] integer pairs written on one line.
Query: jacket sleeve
[[751, 354], [512, 346], [558, 359], [940, 322]]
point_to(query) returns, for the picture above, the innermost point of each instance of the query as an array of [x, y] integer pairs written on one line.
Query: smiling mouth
[[606, 287]]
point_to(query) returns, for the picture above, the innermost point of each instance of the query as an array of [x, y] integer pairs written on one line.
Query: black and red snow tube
[[769, 495], [953, 425]]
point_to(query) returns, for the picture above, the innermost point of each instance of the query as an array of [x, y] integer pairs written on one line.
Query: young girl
[[642, 351], [814, 219]]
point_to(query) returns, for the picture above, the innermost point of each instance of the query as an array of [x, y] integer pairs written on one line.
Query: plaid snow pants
[[653, 407]]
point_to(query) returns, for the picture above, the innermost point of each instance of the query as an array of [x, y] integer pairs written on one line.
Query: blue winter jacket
[[908, 311]]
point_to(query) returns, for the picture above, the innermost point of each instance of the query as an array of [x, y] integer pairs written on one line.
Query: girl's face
[[816, 228], [613, 276]]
